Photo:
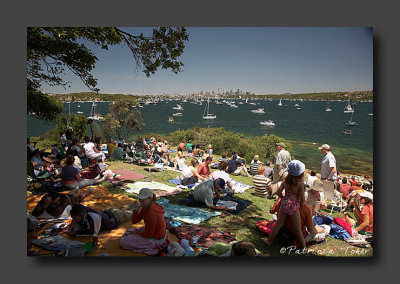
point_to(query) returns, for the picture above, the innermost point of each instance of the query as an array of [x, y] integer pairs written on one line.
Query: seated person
[[221, 173], [254, 165], [179, 162], [37, 161], [204, 168], [48, 166], [182, 146], [364, 223], [209, 189], [311, 178], [189, 145], [209, 150], [119, 152], [197, 152], [233, 249], [87, 221], [154, 233], [223, 157], [261, 183], [344, 188], [91, 151], [77, 149], [315, 196], [310, 232], [53, 204], [235, 167], [71, 177], [269, 172], [190, 174], [56, 152]]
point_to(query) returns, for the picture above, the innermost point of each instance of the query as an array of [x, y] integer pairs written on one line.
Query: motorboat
[[259, 110], [178, 107], [177, 114], [348, 132], [170, 119], [268, 123]]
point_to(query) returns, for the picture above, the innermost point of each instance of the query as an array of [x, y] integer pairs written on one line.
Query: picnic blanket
[[239, 187], [185, 214], [124, 175], [241, 203], [177, 182], [56, 243], [199, 235], [158, 188]]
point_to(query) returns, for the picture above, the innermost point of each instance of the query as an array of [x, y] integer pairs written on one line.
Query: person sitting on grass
[[37, 160], [221, 173], [179, 162], [223, 157], [209, 189], [261, 183], [54, 204], [235, 167], [146, 239], [315, 196], [119, 152], [268, 170], [255, 163], [71, 177], [92, 152], [364, 223], [344, 188], [204, 168], [190, 174], [291, 201], [87, 221]]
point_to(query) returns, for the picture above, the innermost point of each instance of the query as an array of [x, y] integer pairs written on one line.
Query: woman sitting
[[261, 183], [71, 177], [190, 174], [315, 196], [92, 152], [221, 173], [146, 239], [179, 162], [365, 217], [255, 163]]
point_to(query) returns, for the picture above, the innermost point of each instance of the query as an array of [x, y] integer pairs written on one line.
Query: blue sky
[[261, 60]]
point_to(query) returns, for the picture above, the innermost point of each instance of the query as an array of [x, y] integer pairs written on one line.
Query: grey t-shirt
[[204, 192], [282, 159]]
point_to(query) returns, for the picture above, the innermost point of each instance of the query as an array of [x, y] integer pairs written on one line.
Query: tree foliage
[[52, 49], [124, 116]]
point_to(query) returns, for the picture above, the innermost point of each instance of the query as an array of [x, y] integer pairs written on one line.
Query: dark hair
[[313, 173], [344, 180], [77, 210], [120, 145], [194, 162], [208, 159], [222, 165], [75, 140], [243, 249], [87, 138], [61, 133], [54, 194], [294, 180], [70, 160], [28, 140], [90, 120], [268, 163], [35, 152], [224, 155]]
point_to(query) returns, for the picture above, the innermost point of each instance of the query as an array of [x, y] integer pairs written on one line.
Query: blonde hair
[[261, 169]]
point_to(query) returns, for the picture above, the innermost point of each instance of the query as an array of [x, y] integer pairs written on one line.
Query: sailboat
[[280, 103], [93, 115], [348, 108], [327, 107], [207, 115], [351, 122]]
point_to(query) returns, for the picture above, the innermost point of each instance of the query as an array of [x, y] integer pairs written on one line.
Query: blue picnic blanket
[[185, 214], [241, 203], [177, 182]]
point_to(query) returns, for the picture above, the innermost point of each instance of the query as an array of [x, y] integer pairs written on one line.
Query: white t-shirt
[[181, 164], [89, 149], [187, 172], [310, 180], [221, 174], [328, 162]]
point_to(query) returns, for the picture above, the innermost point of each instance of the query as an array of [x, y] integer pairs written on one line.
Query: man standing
[[328, 164], [95, 131], [282, 160]]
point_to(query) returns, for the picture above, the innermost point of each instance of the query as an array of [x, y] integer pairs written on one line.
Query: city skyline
[[258, 60]]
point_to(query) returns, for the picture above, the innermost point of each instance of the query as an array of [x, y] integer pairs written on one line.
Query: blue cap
[[221, 183], [296, 168]]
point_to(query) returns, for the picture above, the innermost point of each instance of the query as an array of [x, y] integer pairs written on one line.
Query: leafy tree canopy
[[52, 49]]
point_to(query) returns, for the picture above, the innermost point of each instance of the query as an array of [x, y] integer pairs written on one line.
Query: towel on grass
[[241, 203], [177, 182], [239, 187], [158, 188], [128, 175], [199, 235], [185, 214]]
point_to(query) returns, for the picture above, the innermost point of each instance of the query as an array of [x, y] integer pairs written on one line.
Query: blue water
[[312, 124]]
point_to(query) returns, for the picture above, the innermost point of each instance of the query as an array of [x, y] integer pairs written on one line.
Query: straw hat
[[317, 185]]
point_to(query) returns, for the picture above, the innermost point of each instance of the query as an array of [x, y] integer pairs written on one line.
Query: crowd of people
[[297, 197]]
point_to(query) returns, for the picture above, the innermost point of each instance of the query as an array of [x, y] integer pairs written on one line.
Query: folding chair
[[332, 194]]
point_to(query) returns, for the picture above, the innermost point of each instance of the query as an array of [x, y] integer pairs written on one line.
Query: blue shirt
[[119, 153]]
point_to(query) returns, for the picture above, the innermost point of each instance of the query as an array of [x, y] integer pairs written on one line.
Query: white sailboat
[[93, 115], [351, 122], [328, 107], [280, 103], [207, 115], [348, 108]]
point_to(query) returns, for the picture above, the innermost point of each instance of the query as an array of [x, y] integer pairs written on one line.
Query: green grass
[[242, 225]]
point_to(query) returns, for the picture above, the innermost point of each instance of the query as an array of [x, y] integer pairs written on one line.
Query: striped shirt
[[261, 185], [253, 167]]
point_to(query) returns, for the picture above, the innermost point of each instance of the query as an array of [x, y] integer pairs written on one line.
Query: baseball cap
[[221, 183], [296, 168], [145, 193], [325, 146], [280, 144]]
